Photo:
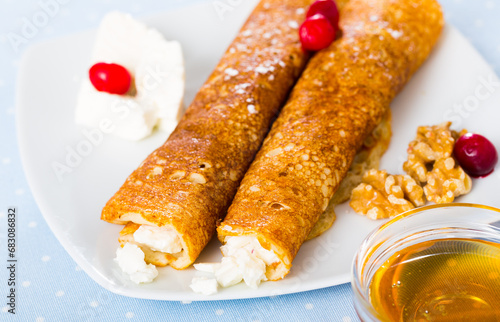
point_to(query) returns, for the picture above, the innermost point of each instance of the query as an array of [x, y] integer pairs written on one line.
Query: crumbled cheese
[[252, 245], [158, 239], [130, 258], [228, 272], [204, 285], [207, 267], [244, 260]]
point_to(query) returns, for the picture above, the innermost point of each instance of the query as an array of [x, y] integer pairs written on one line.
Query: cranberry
[[327, 8], [316, 33], [475, 154], [110, 78]]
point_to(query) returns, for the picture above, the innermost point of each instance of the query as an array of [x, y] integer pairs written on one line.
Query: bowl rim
[[429, 207]]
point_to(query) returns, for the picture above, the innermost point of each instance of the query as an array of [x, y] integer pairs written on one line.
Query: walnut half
[[430, 161], [382, 196], [446, 181], [432, 143]]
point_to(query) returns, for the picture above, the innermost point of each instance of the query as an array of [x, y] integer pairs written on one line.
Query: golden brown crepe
[[188, 183], [340, 98]]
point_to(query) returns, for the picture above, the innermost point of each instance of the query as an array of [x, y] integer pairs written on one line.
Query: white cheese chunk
[[252, 268], [228, 273], [244, 260], [157, 68], [207, 267], [204, 285], [158, 239], [130, 258], [251, 244]]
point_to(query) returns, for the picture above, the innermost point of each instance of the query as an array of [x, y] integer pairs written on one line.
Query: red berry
[[475, 154], [327, 8], [110, 78], [316, 33]]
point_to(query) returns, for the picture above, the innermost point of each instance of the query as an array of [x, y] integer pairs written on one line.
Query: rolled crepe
[[187, 184], [341, 96], [368, 157]]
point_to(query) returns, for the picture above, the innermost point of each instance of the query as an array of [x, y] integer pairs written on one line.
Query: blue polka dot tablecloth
[[50, 286]]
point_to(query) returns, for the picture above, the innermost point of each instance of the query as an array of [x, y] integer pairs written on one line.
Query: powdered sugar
[[251, 109], [293, 24], [395, 33], [231, 71]]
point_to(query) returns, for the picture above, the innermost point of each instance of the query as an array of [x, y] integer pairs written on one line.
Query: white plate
[[48, 82]]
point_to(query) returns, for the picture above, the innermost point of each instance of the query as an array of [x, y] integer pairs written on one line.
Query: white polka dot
[[5, 309], [65, 12], [6, 160], [49, 30], [346, 319], [136, 7], [40, 319], [32, 224], [19, 191], [92, 16], [129, 315], [45, 258], [78, 268], [309, 306], [490, 4], [479, 23], [94, 304], [219, 312], [60, 293], [186, 302], [26, 283]]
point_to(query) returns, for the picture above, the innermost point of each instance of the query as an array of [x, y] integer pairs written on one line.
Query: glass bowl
[[420, 225]]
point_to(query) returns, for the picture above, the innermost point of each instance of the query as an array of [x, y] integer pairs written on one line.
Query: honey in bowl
[[440, 280]]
